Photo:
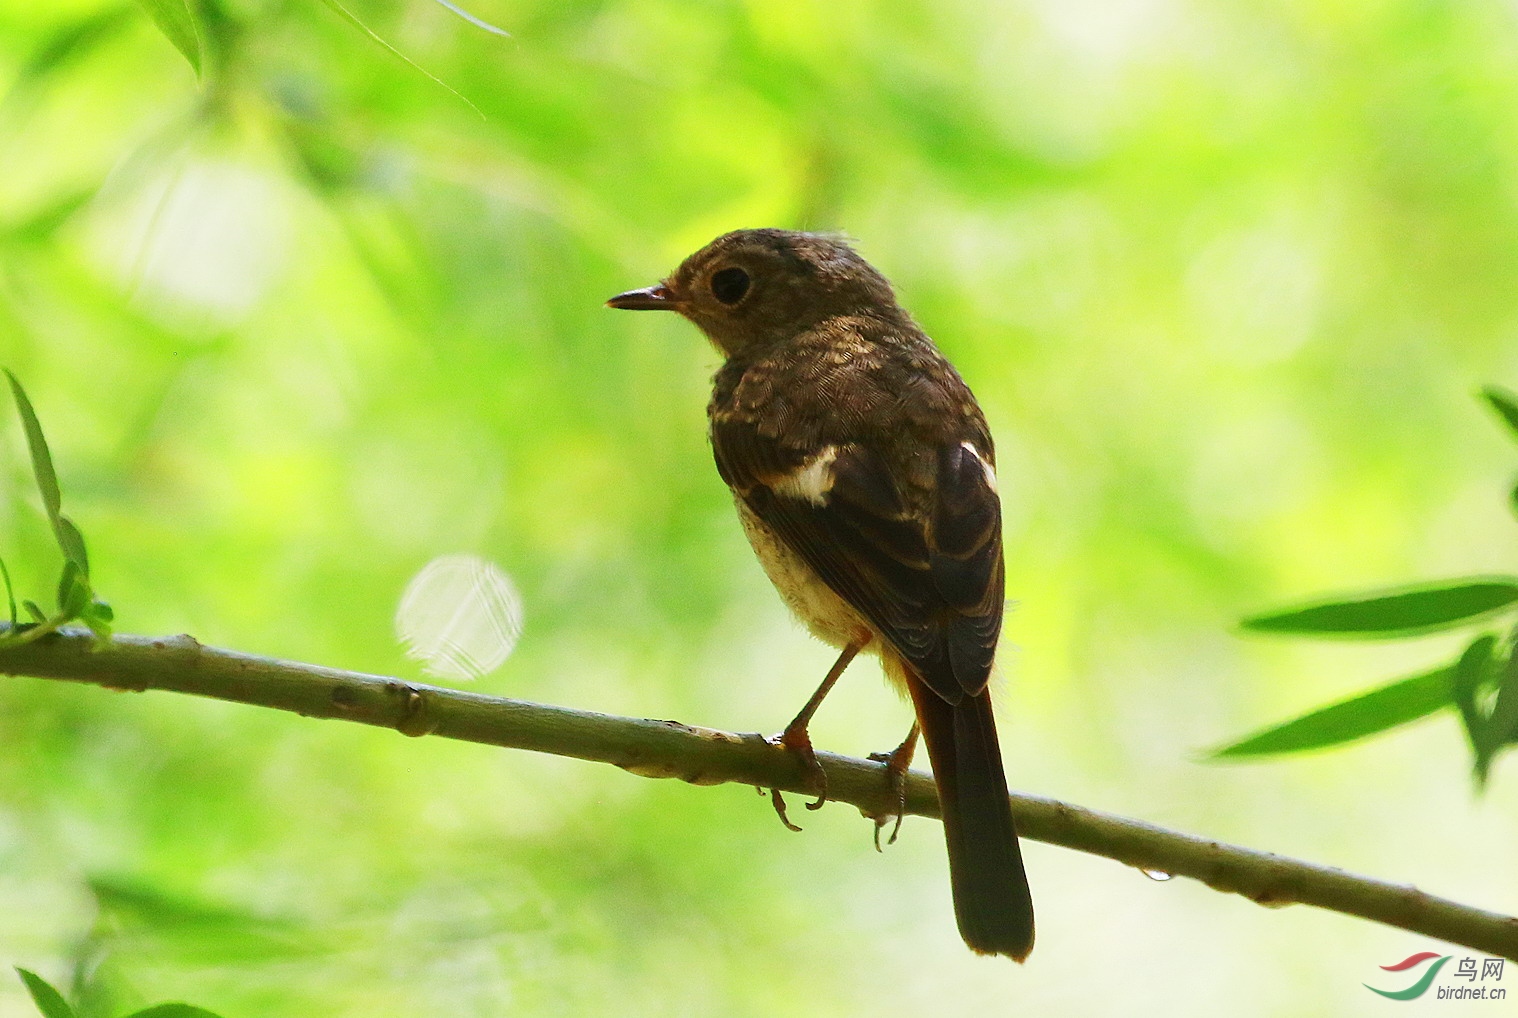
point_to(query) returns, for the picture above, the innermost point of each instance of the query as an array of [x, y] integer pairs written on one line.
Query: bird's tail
[[991, 898]]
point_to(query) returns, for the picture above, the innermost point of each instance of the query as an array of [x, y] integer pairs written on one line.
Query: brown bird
[[864, 476]]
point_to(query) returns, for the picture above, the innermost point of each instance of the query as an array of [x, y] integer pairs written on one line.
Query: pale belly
[[828, 616]]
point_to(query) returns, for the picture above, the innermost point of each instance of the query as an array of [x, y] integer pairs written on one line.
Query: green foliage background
[[1224, 277]]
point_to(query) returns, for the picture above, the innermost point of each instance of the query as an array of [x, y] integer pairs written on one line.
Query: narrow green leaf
[[1505, 403], [10, 592], [1404, 611], [1366, 714], [42, 460], [353, 19], [48, 1000], [476, 22], [179, 20], [71, 543], [173, 1011], [35, 612]]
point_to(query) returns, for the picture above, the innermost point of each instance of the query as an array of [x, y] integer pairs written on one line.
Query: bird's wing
[[928, 576]]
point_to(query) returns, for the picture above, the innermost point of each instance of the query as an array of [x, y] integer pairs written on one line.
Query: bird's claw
[[897, 761], [796, 741], [778, 801]]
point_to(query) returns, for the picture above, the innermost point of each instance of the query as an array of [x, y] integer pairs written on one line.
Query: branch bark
[[705, 756]]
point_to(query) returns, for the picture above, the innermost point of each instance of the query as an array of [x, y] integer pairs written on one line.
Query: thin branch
[[705, 756]]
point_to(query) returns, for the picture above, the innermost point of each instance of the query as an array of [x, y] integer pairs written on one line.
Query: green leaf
[[71, 543], [35, 612], [1404, 611], [1473, 673], [76, 598], [73, 594], [1504, 716], [178, 19], [70, 540], [98, 616], [353, 19], [1505, 403], [10, 592], [42, 460], [1366, 714], [173, 1011], [48, 1000]]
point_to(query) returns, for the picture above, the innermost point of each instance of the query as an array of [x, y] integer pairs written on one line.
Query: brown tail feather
[[991, 897]]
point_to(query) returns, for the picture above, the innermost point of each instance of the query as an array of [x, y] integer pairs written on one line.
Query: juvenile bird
[[864, 476]]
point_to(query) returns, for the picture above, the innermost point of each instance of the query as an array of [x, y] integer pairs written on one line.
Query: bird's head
[[750, 289]]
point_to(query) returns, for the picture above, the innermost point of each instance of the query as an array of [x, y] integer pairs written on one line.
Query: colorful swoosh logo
[[1422, 985], [1410, 961]]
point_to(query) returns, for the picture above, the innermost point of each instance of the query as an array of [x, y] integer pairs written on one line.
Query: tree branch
[[705, 756]]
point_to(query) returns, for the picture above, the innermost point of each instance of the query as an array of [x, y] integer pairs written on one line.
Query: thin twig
[[705, 756]]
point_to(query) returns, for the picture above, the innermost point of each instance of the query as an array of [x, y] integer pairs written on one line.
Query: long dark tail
[[991, 898]]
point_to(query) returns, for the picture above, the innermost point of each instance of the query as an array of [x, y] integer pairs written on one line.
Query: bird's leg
[[796, 739], [897, 761]]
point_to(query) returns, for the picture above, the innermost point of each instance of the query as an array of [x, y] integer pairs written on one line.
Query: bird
[[864, 476]]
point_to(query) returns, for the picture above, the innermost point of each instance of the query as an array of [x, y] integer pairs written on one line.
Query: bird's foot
[[796, 741], [897, 762]]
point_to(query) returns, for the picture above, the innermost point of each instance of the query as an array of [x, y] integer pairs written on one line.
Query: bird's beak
[[651, 298]]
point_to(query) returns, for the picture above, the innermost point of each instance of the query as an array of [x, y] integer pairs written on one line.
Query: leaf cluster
[[1481, 684], [53, 1005], [76, 598]]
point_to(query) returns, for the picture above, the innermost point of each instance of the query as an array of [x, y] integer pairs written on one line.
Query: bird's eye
[[729, 285]]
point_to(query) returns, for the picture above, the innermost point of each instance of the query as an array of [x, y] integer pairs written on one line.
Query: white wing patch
[[984, 463], [810, 482]]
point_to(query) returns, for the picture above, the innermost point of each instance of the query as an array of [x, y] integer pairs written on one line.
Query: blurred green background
[[1224, 277]]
